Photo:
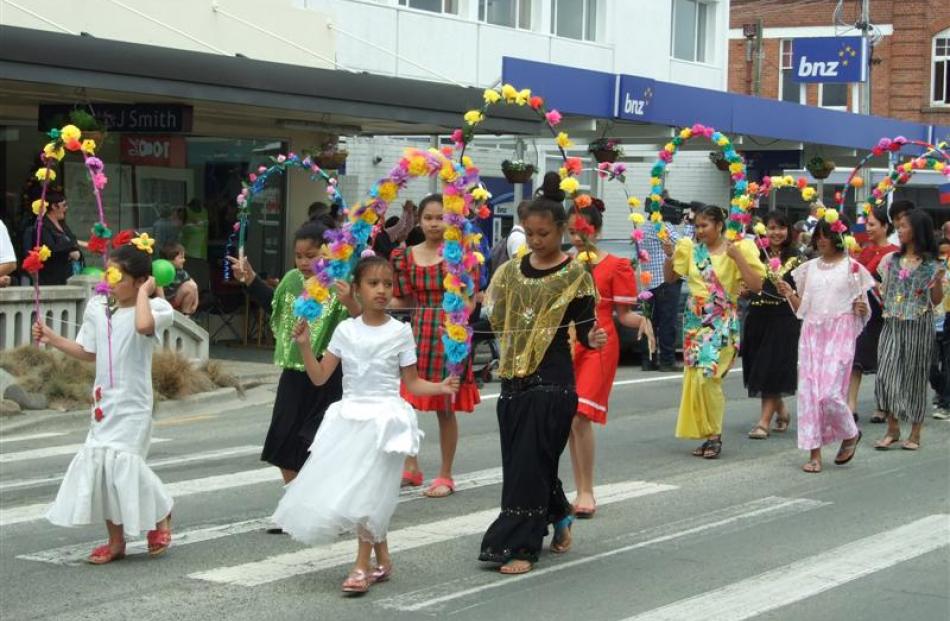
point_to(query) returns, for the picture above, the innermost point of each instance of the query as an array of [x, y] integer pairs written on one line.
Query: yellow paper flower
[[831, 216], [479, 257], [113, 276], [509, 92], [723, 141], [743, 201], [569, 185], [562, 172], [51, 150], [731, 235], [669, 147], [789, 180], [388, 191], [939, 166], [480, 194], [759, 229], [467, 162], [851, 243], [735, 167], [663, 234], [474, 117], [370, 216], [491, 95], [820, 212], [44, 252], [453, 203], [523, 96], [633, 201], [808, 194], [586, 257], [656, 198], [38, 206], [448, 173], [343, 253], [143, 242], [563, 141], [317, 291], [686, 133], [89, 147], [418, 166], [655, 181], [70, 132], [456, 332], [656, 216], [452, 233], [637, 218], [522, 250], [46, 173]]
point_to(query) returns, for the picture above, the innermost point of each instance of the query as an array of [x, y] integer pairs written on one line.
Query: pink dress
[[826, 348]]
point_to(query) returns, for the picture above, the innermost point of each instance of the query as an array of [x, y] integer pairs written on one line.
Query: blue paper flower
[[307, 308], [338, 270], [452, 303], [455, 352], [452, 252]]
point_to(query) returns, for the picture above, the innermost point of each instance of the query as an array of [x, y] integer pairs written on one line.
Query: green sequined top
[[282, 322]]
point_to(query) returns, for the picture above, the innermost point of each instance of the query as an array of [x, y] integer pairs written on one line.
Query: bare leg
[[363, 554], [767, 408], [582, 458], [187, 297], [381, 550], [853, 389], [288, 475], [448, 443], [116, 536], [814, 462]]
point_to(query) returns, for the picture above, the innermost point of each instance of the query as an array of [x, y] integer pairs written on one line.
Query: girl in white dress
[[351, 480], [108, 479]]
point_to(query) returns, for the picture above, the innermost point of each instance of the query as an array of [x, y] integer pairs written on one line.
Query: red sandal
[[159, 540], [411, 479], [449, 484], [104, 554]]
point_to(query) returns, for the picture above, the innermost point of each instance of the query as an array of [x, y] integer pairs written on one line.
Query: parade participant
[[865, 353], [940, 368], [108, 479], [911, 286], [365, 436], [532, 300], [595, 368], [298, 405], [713, 268], [830, 297], [770, 330], [418, 286]]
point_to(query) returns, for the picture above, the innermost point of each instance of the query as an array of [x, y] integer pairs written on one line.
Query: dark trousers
[[940, 368], [666, 305]]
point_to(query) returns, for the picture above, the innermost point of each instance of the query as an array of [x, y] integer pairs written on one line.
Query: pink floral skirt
[[825, 355]]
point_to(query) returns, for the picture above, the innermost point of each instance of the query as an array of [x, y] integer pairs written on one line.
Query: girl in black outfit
[[532, 301]]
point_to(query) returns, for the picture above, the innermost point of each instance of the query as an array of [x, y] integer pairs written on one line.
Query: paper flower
[[53, 151], [536, 102], [480, 194], [46, 174], [113, 275], [122, 238], [143, 242], [491, 95], [553, 117], [583, 201], [97, 414], [307, 308], [88, 147], [586, 257], [474, 117], [646, 278], [563, 140], [633, 201], [44, 252], [831, 216], [637, 218], [808, 194], [569, 185], [97, 244], [759, 229], [775, 264], [69, 133], [39, 205]]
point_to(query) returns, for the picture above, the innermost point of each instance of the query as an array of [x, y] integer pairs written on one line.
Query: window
[[691, 21], [833, 95], [941, 69], [574, 19], [511, 13], [436, 6], [788, 89]]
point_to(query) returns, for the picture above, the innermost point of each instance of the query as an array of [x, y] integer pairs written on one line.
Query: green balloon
[[163, 271], [92, 270]]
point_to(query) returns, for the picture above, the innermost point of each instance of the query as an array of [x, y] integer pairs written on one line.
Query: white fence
[[62, 309]]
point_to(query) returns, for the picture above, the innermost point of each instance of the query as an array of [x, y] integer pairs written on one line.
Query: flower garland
[[739, 212], [763, 189], [929, 160], [256, 181]]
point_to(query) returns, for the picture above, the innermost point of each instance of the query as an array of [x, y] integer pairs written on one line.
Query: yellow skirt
[[703, 403]]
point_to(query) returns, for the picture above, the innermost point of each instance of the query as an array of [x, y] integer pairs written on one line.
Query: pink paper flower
[[553, 117], [775, 264]]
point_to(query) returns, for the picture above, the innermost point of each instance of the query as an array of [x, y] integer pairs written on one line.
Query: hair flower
[[583, 201], [143, 242], [122, 238]]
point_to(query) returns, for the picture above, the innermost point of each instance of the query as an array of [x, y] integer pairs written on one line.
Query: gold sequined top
[[282, 322], [526, 312]]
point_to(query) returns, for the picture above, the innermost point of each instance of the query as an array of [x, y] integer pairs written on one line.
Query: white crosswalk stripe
[[313, 559], [32, 436], [810, 576], [50, 451]]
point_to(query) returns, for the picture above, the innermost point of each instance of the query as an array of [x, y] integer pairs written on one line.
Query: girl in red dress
[[595, 368], [418, 285]]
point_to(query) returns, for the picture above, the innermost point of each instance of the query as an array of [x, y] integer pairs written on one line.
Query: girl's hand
[[784, 289], [732, 250], [42, 333], [242, 270], [646, 329], [149, 286], [667, 247], [344, 291], [451, 385], [860, 307], [302, 333], [597, 337]]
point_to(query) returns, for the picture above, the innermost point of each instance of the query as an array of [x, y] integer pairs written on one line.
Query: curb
[[223, 398]]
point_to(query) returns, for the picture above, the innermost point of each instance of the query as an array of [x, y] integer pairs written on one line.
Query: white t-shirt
[[516, 239], [125, 398], [372, 356], [7, 255]]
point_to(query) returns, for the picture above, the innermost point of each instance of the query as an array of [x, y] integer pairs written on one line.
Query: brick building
[[910, 72]]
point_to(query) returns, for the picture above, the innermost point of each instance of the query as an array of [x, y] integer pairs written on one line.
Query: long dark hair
[[922, 227], [880, 214], [823, 229], [593, 213], [550, 200], [788, 246]]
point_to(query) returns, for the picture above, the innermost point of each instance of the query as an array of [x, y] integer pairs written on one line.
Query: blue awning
[[635, 98]]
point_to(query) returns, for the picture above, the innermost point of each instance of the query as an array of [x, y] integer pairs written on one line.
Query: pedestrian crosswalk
[[784, 582]]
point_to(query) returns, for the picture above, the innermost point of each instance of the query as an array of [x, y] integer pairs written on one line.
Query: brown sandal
[[885, 443], [759, 433], [812, 467], [847, 451], [910, 444], [516, 566]]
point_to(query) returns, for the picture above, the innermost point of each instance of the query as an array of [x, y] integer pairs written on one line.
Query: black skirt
[[865, 350], [534, 426], [769, 350], [298, 411]]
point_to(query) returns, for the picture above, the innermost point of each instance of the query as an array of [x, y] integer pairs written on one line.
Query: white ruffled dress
[[350, 482], [108, 478]]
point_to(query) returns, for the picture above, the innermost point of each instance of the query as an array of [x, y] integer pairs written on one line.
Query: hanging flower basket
[[605, 155], [820, 168], [517, 171], [330, 161], [605, 150]]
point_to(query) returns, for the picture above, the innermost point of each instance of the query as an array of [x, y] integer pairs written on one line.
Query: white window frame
[[821, 92], [934, 59], [708, 48], [585, 27], [790, 67], [519, 4], [447, 6]]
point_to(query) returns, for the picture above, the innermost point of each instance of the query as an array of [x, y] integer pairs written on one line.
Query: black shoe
[[670, 368], [856, 417], [275, 531]]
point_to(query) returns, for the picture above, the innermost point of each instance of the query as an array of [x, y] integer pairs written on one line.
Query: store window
[[435, 6], [788, 89], [941, 69], [691, 22], [510, 13], [574, 19], [833, 96]]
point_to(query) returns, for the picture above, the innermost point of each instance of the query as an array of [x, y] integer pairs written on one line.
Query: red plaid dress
[[422, 289]]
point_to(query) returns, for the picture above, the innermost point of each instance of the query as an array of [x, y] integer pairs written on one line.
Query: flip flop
[[584, 513], [557, 542], [885, 443], [437, 483], [812, 467], [512, 570], [411, 479], [910, 445], [759, 433], [839, 460]]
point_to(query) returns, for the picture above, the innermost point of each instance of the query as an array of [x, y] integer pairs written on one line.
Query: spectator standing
[[7, 256]]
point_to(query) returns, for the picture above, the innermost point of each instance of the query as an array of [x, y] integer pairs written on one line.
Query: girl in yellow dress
[[713, 268]]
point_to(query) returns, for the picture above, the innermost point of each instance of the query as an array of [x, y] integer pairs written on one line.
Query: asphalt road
[[676, 537]]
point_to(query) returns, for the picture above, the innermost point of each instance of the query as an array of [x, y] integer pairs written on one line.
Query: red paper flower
[[484, 212], [574, 165], [122, 238], [98, 393], [536, 102], [582, 227], [97, 244], [32, 263], [98, 414], [73, 145]]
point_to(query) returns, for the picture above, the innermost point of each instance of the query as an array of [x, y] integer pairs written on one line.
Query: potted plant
[[719, 159], [820, 168], [329, 156], [517, 171], [85, 121], [605, 149]]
